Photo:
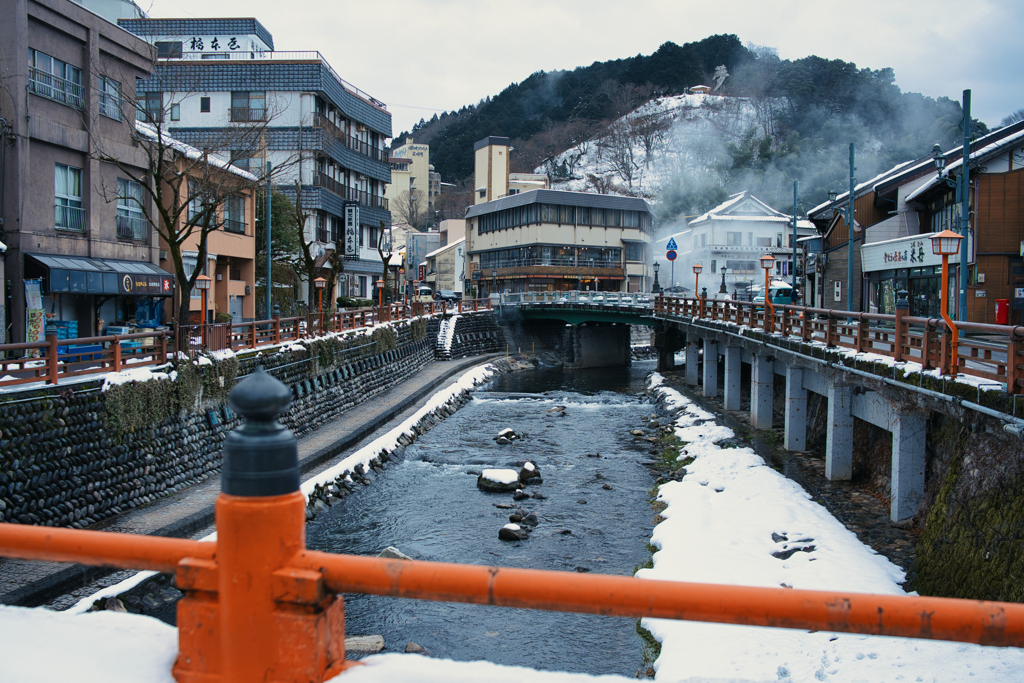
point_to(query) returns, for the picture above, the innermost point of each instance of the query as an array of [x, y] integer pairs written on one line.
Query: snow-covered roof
[[986, 151], [770, 215], [906, 166], [189, 151], [450, 245]]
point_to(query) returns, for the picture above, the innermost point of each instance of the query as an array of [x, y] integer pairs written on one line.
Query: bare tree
[[181, 191], [386, 251], [409, 207]]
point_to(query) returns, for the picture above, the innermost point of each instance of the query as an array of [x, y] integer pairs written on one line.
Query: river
[[594, 516]]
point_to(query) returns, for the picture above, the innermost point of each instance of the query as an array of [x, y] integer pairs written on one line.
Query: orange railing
[[992, 352], [65, 358], [259, 606]]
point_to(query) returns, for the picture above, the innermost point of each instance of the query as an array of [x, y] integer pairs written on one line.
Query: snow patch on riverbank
[[734, 520]]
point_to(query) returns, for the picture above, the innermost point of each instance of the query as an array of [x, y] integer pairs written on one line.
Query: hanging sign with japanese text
[[351, 230]]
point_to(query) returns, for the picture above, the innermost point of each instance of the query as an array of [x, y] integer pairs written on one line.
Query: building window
[[175, 112], [188, 264], [110, 98], [168, 49], [634, 251], [131, 220], [67, 191], [234, 215], [150, 107], [764, 241], [703, 240], [734, 239], [248, 106], [362, 286], [321, 227], [56, 80], [204, 105]]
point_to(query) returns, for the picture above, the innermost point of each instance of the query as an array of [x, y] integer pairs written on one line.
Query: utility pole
[[849, 223], [266, 224], [964, 188], [796, 184]]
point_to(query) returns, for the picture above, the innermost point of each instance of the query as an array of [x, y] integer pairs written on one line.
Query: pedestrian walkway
[[191, 510]]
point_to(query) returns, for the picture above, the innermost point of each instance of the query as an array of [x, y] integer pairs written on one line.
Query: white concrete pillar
[[733, 377], [908, 461], [692, 359], [710, 368], [796, 410], [761, 396], [839, 442]]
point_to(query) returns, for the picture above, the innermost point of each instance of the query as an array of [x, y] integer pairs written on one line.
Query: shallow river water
[[429, 507]]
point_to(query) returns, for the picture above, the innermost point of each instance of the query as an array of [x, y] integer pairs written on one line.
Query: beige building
[[446, 266], [552, 240], [414, 184]]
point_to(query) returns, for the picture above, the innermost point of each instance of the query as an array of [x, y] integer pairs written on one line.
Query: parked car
[[781, 293], [446, 295], [424, 294]]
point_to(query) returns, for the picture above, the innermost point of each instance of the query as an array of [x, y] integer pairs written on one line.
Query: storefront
[[84, 296], [906, 263]]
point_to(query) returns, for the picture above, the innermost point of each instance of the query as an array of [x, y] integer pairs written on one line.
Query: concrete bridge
[[892, 371]]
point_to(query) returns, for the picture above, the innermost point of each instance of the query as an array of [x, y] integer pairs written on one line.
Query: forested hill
[[816, 103]]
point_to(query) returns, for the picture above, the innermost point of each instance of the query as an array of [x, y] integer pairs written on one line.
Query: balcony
[[351, 193], [55, 88], [350, 141], [248, 114], [132, 228], [69, 218], [237, 227]]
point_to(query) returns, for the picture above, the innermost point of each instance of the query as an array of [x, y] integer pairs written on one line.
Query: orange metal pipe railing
[[982, 622]]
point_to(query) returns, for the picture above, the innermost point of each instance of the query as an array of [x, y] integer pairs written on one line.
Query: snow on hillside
[[659, 143]]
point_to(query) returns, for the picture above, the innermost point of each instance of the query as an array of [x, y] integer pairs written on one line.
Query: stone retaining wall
[[75, 455]]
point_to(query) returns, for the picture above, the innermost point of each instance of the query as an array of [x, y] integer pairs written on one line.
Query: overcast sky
[[422, 56]]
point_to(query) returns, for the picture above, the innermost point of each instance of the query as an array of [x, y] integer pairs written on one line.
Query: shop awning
[[80, 275]]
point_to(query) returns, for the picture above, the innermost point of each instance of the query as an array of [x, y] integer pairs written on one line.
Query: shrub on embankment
[[74, 455]]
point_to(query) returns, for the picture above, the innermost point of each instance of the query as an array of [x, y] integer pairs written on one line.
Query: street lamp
[[722, 289], [494, 281], [768, 262], [963, 196], [696, 273], [656, 288], [203, 285], [320, 283], [380, 298], [946, 244]]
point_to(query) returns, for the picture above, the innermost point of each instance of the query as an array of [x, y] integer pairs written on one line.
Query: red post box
[[1002, 311]]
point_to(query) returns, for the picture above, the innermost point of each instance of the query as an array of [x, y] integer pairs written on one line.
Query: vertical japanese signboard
[[351, 230]]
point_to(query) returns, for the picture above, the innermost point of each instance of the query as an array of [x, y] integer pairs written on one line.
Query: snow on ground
[[446, 334], [500, 476], [718, 529]]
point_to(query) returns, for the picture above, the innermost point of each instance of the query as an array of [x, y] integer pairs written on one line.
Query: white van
[[423, 294]]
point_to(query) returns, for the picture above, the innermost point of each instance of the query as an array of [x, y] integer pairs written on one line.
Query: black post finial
[[260, 457], [902, 300]]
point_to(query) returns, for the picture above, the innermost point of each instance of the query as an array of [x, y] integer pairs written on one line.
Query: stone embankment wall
[[75, 455], [473, 335]]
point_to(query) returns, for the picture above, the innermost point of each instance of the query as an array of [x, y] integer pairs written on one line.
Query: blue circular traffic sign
[[670, 255]]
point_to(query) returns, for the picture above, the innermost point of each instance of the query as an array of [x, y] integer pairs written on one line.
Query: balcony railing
[[55, 88], [69, 218], [350, 141], [132, 228], [567, 262], [110, 106], [248, 114], [237, 227], [328, 183]]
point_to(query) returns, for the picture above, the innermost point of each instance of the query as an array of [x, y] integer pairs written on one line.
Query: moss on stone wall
[[972, 545]]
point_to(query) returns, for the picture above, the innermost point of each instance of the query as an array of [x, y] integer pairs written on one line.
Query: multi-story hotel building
[[551, 240]]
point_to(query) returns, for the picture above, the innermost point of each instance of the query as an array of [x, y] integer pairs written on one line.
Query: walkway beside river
[[191, 510]]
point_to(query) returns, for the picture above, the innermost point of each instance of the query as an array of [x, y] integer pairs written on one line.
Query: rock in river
[[498, 480], [512, 532]]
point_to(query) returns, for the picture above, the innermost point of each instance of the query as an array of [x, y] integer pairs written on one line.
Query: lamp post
[[722, 289], [963, 187], [768, 262], [494, 281], [203, 285], [946, 244], [380, 299], [656, 287], [320, 284], [696, 281]]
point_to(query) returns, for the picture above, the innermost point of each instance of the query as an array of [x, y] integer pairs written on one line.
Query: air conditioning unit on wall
[[163, 254]]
